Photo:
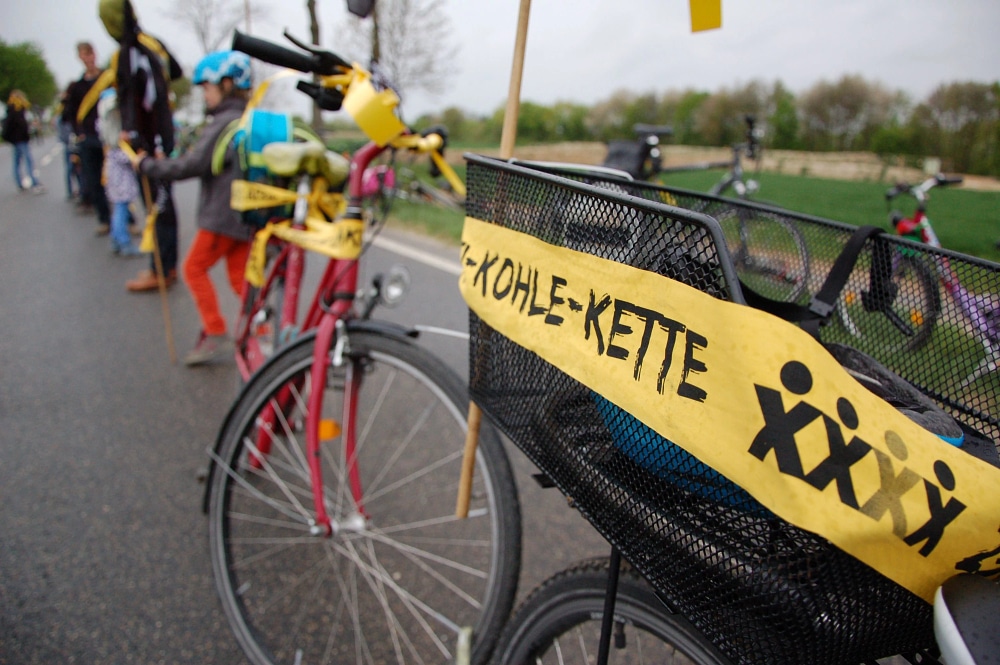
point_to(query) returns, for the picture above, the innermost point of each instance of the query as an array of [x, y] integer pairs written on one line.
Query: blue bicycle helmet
[[221, 65]]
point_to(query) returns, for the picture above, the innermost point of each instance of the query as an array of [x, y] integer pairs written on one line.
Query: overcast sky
[[584, 50]]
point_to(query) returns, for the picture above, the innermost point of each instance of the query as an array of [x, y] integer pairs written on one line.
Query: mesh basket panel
[[762, 590]]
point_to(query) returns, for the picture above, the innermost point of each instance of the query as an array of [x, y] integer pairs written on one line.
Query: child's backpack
[[248, 135]]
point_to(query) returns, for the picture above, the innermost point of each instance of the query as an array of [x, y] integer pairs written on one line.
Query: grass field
[[966, 221]]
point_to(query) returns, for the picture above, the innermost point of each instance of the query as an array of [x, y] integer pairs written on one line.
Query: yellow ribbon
[[752, 396]]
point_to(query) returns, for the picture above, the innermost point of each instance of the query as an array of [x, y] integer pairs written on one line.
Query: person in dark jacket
[[225, 80], [142, 69], [15, 131], [88, 142]]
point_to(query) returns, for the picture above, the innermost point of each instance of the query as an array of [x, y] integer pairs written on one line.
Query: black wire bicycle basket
[[762, 590]]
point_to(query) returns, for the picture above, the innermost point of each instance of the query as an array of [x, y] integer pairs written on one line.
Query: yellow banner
[[754, 397], [245, 195], [338, 240]]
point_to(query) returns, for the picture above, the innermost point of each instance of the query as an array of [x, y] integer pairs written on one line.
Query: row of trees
[[23, 67], [958, 122]]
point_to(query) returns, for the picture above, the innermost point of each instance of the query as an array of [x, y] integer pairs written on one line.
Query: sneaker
[[102, 230], [208, 348], [128, 251], [147, 281], [38, 189]]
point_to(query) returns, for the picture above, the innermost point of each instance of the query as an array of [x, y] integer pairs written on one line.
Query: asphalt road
[[103, 547]]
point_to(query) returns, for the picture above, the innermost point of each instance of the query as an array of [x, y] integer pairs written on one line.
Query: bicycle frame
[[333, 302]]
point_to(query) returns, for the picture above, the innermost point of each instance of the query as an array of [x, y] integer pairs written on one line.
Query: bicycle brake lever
[[328, 61], [326, 98]]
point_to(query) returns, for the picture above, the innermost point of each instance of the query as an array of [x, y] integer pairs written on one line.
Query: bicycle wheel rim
[[398, 586], [916, 303], [770, 254]]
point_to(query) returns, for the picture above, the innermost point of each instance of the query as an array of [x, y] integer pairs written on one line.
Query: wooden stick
[[507, 140], [161, 279]]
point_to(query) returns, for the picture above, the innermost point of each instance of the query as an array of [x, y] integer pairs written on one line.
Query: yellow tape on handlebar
[[754, 397], [449, 173], [373, 111], [342, 239]]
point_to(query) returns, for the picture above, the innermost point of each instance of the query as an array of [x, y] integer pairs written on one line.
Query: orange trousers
[[206, 250]]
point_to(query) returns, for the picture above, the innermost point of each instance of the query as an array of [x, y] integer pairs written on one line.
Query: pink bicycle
[[332, 489], [905, 313]]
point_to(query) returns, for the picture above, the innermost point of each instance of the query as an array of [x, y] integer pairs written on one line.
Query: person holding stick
[[141, 71], [224, 77]]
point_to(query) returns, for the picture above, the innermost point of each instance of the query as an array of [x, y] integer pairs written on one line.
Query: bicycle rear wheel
[[769, 253], [560, 622], [400, 579]]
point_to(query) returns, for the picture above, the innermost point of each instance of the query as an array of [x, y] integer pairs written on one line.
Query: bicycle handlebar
[[919, 191], [642, 130], [314, 61]]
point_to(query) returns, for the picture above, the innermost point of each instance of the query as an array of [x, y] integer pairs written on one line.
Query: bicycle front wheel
[[769, 253], [401, 579], [560, 622]]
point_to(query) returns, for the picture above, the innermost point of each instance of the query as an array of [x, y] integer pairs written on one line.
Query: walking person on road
[[71, 160], [88, 142], [225, 80], [16, 132]]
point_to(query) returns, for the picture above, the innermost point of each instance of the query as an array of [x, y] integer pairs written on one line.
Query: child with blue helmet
[[224, 78]]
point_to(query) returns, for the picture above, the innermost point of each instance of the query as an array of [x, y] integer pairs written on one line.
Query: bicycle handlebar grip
[[274, 54]]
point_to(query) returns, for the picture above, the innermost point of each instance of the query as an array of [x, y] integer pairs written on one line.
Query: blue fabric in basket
[[669, 461]]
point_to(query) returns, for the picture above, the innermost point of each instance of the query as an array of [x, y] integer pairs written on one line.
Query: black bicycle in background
[[771, 256]]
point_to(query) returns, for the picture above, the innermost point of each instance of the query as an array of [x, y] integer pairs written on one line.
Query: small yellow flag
[[705, 14], [148, 243]]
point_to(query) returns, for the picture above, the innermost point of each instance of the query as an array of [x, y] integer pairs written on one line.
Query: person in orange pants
[[206, 250], [224, 77]]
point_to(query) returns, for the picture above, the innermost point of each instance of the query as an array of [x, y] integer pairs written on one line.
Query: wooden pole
[[509, 134], [507, 139], [161, 279]]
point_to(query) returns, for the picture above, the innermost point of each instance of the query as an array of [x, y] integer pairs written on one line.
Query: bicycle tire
[[769, 253], [916, 306], [291, 597], [260, 318], [560, 621]]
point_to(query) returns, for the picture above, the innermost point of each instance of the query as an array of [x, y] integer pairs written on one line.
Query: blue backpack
[[248, 135]]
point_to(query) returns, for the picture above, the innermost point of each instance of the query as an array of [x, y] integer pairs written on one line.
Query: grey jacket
[[214, 213]]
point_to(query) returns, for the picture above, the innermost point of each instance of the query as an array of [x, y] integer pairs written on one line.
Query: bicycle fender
[[386, 328]]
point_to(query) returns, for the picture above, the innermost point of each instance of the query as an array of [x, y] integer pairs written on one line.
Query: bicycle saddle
[[967, 620], [290, 159]]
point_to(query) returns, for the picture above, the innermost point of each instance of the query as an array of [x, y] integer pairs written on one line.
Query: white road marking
[[428, 259]]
